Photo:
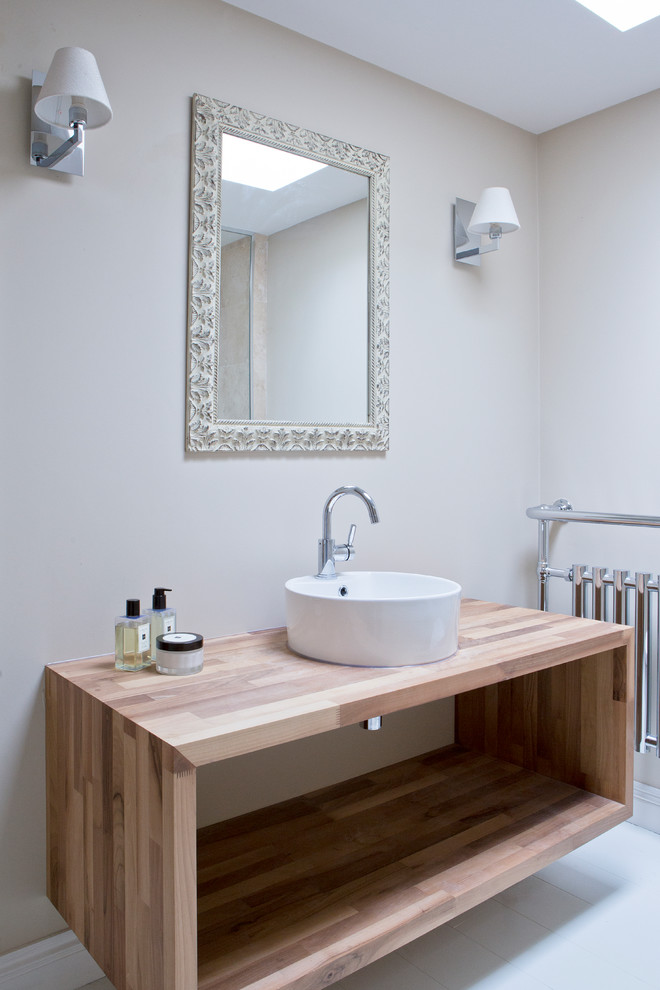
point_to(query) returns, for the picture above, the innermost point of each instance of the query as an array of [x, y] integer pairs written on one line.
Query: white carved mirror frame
[[204, 431]]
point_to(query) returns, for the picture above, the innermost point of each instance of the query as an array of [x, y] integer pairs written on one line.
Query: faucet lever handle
[[345, 551], [348, 547]]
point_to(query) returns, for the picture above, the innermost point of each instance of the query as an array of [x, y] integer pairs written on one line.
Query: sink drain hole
[[343, 591]]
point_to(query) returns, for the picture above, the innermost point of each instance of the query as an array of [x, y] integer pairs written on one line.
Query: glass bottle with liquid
[[162, 619], [132, 638]]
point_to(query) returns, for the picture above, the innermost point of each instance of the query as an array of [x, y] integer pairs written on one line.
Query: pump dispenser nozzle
[[158, 599]]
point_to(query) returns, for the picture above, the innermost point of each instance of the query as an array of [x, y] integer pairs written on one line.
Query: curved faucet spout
[[328, 550]]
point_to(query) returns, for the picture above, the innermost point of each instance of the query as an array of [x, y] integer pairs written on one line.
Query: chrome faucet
[[329, 551]]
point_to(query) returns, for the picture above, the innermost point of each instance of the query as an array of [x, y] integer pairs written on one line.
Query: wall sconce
[[492, 215], [69, 97]]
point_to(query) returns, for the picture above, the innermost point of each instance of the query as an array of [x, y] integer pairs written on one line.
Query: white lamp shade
[[494, 206], [73, 79]]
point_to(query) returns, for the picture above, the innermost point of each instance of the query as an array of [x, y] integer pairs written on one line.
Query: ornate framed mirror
[[288, 295]]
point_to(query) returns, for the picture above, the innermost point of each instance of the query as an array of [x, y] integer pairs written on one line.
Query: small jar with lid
[[179, 653]]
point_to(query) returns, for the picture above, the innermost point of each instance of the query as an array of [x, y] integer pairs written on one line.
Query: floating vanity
[[300, 894]]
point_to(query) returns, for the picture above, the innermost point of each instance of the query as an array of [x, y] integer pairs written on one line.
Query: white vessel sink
[[373, 618]]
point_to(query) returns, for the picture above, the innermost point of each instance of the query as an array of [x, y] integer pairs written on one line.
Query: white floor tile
[[544, 903], [626, 851], [584, 879], [623, 933], [503, 931], [559, 961], [459, 963], [562, 965], [507, 977], [392, 972]]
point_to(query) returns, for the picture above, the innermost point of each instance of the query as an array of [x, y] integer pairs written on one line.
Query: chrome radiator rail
[[609, 599], [563, 511]]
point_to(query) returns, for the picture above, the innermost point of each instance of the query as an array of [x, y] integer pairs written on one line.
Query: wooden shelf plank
[[312, 889]]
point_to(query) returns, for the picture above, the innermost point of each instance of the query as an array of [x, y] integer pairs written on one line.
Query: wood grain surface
[[570, 722], [300, 894], [121, 841], [310, 890], [254, 692]]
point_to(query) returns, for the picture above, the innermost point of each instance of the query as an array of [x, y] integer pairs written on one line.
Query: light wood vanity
[[300, 894]]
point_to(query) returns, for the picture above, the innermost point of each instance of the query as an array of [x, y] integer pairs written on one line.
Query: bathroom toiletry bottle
[[161, 619], [132, 638]]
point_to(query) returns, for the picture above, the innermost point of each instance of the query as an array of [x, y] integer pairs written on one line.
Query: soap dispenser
[[132, 638], [162, 619]]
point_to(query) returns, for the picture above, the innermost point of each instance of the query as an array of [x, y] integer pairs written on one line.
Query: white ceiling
[[534, 63]]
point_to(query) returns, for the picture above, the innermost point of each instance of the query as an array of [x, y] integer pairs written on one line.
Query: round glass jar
[[179, 653]]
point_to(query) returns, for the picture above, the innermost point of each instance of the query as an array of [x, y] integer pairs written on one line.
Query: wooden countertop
[[254, 692]]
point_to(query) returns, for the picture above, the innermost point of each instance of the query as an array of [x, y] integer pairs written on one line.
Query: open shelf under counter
[[306, 891], [302, 893]]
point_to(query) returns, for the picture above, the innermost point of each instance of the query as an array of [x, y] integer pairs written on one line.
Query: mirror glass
[[293, 287], [288, 342]]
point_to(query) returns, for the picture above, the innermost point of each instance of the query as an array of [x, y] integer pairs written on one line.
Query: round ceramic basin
[[373, 618]]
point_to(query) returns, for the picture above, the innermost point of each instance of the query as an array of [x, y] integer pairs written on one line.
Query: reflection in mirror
[[238, 322], [292, 351], [293, 292]]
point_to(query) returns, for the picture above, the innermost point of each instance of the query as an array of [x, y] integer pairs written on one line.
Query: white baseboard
[[57, 963], [646, 806]]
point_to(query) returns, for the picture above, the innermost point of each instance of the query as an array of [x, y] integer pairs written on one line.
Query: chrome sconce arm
[[40, 154]]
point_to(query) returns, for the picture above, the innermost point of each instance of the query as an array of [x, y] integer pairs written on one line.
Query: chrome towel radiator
[[614, 596]]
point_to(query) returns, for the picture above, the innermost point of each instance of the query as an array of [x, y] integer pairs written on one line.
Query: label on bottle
[[143, 637], [168, 625]]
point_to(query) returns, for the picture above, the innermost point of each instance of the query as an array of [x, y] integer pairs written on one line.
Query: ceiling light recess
[[259, 165], [623, 14]]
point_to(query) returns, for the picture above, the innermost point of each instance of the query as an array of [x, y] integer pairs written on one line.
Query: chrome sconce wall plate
[[66, 101], [478, 227]]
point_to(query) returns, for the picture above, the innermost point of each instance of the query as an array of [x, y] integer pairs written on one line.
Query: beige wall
[[599, 182], [99, 500]]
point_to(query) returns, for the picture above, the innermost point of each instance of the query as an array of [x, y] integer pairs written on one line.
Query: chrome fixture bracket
[[468, 247], [59, 149]]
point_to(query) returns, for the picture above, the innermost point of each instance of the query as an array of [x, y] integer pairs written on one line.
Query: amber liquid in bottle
[[132, 638]]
